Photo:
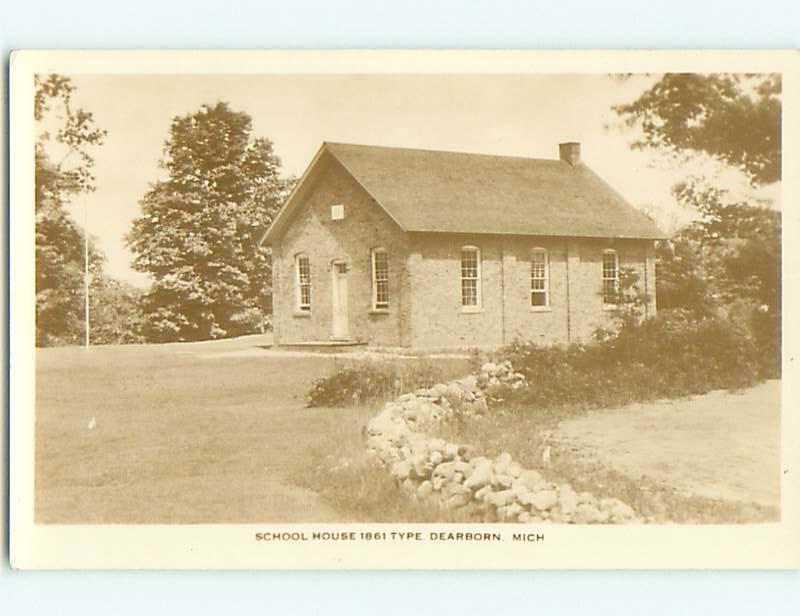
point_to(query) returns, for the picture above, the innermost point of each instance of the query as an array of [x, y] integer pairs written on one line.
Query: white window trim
[[300, 309], [546, 307], [609, 251], [375, 307], [478, 307]]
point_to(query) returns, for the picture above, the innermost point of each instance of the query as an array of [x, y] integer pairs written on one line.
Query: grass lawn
[[213, 432]]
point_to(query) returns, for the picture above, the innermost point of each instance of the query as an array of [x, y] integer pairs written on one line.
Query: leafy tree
[[116, 310], [734, 118], [728, 261], [59, 241], [198, 233], [731, 251]]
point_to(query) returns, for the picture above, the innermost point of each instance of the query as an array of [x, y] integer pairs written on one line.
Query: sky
[[518, 115]]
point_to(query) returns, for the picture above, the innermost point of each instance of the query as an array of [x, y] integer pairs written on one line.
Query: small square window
[[337, 212]]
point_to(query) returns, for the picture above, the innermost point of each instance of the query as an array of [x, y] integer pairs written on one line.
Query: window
[[303, 282], [470, 277], [540, 283], [610, 277], [380, 279], [337, 212]]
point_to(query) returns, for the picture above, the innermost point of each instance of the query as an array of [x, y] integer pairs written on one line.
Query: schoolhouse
[[425, 249]]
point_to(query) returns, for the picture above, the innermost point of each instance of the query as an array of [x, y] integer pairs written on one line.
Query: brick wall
[[437, 317], [365, 226], [575, 307], [586, 302]]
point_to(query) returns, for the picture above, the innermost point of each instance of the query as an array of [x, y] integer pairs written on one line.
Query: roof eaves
[[596, 236]]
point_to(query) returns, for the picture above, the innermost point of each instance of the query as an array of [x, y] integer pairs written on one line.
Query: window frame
[[540, 250], [478, 305], [300, 307], [373, 259], [604, 279]]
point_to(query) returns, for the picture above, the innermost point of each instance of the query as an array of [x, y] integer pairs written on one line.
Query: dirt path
[[720, 445]]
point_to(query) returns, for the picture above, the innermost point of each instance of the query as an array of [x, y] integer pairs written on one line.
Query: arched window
[[380, 279], [302, 278], [470, 277], [540, 279], [610, 277]]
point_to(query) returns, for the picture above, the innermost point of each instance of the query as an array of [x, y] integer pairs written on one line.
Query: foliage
[[629, 300], [75, 134], [671, 355], [59, 242], [734, 118], [115, 311], [367, 381], [727, 262], [734, 248], [199, 230]]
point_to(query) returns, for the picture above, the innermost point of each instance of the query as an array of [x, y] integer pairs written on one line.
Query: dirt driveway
[[681, 442]]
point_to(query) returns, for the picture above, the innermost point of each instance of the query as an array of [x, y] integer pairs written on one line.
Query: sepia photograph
[[486, 304]]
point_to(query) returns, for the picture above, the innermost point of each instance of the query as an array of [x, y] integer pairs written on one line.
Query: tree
[[116, 309], [730, 252], [734, 118], [59, 241], [198, 233], [728, 260]]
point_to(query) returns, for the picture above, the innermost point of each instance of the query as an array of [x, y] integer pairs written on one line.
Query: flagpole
[[86, 269]]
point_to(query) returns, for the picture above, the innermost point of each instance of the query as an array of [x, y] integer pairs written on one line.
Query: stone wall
[[458, 476]]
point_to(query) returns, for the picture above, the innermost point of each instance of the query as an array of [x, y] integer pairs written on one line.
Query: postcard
[[404, 309]]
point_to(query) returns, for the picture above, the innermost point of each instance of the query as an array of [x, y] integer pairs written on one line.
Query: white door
[[340, 329]]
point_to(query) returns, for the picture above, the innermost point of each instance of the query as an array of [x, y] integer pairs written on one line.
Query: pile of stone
[[502, 374], [456, 475]]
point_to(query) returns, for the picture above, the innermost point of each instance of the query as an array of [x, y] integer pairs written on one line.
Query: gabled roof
[[452, 192]]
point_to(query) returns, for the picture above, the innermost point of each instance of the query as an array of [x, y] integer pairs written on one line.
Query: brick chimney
[[570, 152]]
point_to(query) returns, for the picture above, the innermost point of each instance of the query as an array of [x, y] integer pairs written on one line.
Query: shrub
[[671, 355], [366, 381]]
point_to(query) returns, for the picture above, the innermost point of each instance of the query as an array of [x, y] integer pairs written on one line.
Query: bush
[[362, 382], [249, 321], [671, 355]]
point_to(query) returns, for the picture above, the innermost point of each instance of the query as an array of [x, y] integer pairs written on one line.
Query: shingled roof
[[452, 192]]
